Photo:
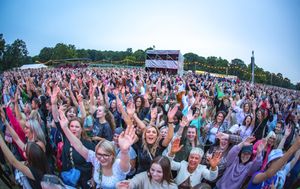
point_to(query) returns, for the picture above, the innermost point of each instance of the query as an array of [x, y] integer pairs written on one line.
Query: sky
[[223, 28]]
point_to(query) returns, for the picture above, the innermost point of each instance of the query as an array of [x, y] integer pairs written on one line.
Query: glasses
[[104, 156]]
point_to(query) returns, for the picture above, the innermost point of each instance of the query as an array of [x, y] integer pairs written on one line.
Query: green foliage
[[15, 55], [63, 51], [140, 55], [46, 54], [2, 45], [298, 86]]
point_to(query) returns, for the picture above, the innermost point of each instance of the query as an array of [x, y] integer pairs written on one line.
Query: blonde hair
[[86, 104], [271, 134], [108, 147], [36, 116], [146, 147], [37, 131]]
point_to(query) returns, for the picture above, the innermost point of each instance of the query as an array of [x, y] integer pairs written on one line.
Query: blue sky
[[228, 29]]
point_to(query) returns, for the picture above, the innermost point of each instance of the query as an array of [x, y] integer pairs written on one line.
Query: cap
[[275, 154], [119, 130], [247, 149]]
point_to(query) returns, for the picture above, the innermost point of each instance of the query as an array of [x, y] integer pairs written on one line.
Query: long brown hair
[[165, 164], [83, 133], [36, 157]]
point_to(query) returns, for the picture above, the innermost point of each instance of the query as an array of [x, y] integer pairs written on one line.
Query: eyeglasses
[[104, 156]]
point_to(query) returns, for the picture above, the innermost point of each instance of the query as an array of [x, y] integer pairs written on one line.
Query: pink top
[[266, 153], [17, 127]]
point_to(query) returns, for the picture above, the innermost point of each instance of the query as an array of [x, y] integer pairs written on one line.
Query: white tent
[[33, 66]]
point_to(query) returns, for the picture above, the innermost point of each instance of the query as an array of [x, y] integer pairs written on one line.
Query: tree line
[[16, 54]]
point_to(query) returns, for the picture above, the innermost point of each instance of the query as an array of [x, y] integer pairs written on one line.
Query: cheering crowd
[[128, 128]]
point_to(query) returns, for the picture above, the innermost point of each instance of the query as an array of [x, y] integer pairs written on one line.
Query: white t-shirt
[[245, 132], [108, 182]]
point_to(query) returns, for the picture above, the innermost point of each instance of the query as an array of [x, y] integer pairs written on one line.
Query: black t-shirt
[[102, 130], [144, 159], [38, 175], [79, 161]]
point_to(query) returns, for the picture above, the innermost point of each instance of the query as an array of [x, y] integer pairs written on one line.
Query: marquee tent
[[33, 66]]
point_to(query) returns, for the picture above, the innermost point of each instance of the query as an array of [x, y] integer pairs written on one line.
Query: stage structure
[[170, 61]]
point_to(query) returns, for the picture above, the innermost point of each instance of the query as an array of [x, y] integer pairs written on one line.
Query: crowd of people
[[128, 128]]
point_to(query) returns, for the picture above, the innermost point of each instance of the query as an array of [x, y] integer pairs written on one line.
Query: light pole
[[252, 66]]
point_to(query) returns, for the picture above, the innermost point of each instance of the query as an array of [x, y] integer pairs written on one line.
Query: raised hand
[[79, 98], [261, 146], [221, 135], [190, 115], [184, 122], [154, 113], [123, 90], [106, 88], [54, 94], [116, 92], [172, 113], [287, 130], [63, 119], [176, 147], [17, 94], [249, 141], [130, 108], [119, 105], [214, 161], [126, 138]]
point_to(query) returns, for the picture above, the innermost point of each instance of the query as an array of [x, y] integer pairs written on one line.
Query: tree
[[82, 53], [2, 48], [238, 62], [46, 54], [15, 55], [63, 51], [129, 51], [298, 86], [191, 57], [2, 45], [139, 55], [92, 54]]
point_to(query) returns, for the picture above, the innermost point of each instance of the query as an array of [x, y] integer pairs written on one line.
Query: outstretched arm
[[13, 161], [170, 133], [272, 170], [12, 132], [287, 132], [75, 142], [126, 139]]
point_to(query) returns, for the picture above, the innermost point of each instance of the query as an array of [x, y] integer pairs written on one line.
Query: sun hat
[[275, 154]]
